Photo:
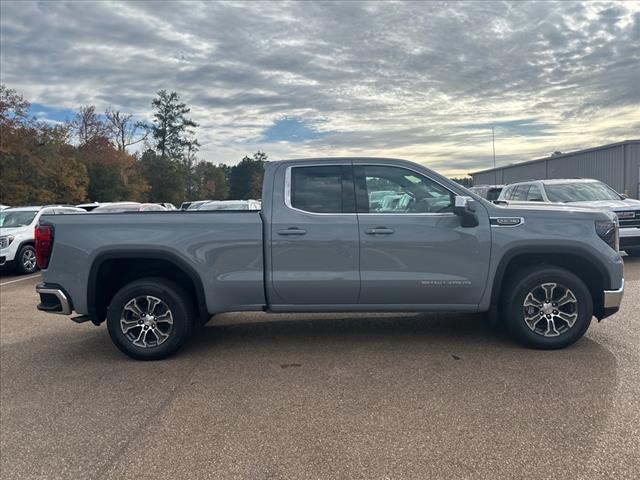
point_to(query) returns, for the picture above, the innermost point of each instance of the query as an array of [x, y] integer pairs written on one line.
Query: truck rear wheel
[[547, 307], [150, 318]]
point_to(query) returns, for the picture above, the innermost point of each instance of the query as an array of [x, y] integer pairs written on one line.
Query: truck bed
[[224, 248]]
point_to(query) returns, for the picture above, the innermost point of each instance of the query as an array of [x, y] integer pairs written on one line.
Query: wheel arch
[[574, 259], [119, 267]]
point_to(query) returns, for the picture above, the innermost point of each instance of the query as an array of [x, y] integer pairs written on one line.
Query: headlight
[[607, 230], [6, 240]]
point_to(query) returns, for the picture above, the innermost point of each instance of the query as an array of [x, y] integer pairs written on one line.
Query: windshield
[[580, 192], [17, 219]]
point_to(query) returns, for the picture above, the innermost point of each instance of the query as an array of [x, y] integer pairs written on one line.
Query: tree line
[[87, 158]]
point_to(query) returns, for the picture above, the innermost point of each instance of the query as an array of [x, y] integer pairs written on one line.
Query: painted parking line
[[20, 279]]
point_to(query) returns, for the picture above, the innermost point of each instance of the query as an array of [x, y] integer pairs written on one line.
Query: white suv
[[587, 192], [17, 227]]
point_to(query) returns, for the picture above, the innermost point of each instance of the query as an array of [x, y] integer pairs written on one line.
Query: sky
[[420, 81]]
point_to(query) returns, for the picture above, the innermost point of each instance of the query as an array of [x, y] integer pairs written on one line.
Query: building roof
[[554, 157]]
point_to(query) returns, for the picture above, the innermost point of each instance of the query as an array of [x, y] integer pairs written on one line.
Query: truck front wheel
[[546, 307], [150, 318]]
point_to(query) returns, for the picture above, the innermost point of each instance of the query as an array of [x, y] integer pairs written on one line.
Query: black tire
[[26, 260], [580, 308], [171, 296]]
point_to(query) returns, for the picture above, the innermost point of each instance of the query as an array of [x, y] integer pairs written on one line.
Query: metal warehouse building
[[616, 164]]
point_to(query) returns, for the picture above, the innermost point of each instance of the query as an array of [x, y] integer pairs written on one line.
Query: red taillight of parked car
[[44, 244]]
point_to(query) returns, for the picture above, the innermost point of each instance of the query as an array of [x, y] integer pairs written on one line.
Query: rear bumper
[[53, 299], [611, 300]]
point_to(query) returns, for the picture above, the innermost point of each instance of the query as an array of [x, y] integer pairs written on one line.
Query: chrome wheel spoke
[[568, 297], [531, 301], [160, 336], [570, 318], [133, 307], [533, 320], [165, 318], [152, 302], [549, 288], [141, 340], [127, 325], [551, 328]]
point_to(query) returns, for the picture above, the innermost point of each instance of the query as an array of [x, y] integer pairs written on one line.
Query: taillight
[[44, 244]]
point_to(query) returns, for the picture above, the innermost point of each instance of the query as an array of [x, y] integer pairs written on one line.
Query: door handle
[[292, 231], [379, 231]]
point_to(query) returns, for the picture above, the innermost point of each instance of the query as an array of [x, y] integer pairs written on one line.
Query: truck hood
[[532, 208], [615, 205], [557, 207], [13, 230]]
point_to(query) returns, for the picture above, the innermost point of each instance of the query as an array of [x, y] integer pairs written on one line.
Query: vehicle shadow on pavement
[[364, 396]]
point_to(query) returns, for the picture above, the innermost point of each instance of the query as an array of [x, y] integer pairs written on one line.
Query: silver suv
[[587, 192]]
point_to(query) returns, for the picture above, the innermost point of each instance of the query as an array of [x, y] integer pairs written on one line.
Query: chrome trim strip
[[287, 190], [62, 298], [613, 298]]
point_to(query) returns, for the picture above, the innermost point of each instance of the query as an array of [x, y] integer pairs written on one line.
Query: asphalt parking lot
[[401, 396]]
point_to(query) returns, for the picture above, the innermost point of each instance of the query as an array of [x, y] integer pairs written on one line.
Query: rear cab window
[[325, 189]]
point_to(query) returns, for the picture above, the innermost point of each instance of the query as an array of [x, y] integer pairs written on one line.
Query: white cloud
[[409, 80]]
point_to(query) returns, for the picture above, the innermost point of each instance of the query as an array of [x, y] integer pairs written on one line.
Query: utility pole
[[493, 141]]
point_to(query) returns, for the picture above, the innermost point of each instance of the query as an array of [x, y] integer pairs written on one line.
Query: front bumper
[[53, 299], [629, 237], [611, 300]]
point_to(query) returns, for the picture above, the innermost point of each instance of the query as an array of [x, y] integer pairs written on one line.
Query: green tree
[[171, 129], [210, 182], [114, 174], [245, 178], [88, 125], [38, 164], [164, 176]]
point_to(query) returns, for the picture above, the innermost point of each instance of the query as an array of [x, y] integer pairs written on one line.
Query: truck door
[[413, 250], [314, 236]]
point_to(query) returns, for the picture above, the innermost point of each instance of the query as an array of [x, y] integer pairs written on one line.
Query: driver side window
[[386, 189]]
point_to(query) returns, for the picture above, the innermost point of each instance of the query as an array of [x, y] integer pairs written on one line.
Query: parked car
[[90, 206], [231, 205], [488, 192], [320, 245], [197, 205], [585, 192], [3, 207], [168, 206], [185, 205], [17, 244], [120, 207]]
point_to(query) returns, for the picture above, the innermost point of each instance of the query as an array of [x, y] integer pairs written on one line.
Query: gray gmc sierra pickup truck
[[337, 234]]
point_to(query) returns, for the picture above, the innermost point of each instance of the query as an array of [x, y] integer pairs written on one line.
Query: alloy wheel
[[550, 309], [29, 260], [146, 321]]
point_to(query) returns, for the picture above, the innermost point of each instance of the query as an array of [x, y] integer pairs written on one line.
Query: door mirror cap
[[462, 203], [465, 208]]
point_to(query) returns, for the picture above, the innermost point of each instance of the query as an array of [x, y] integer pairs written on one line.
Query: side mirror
[[624, 196], [465, 208]]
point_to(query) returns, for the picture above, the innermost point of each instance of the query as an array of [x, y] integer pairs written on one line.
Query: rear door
[[314, 237], [413, 249]]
